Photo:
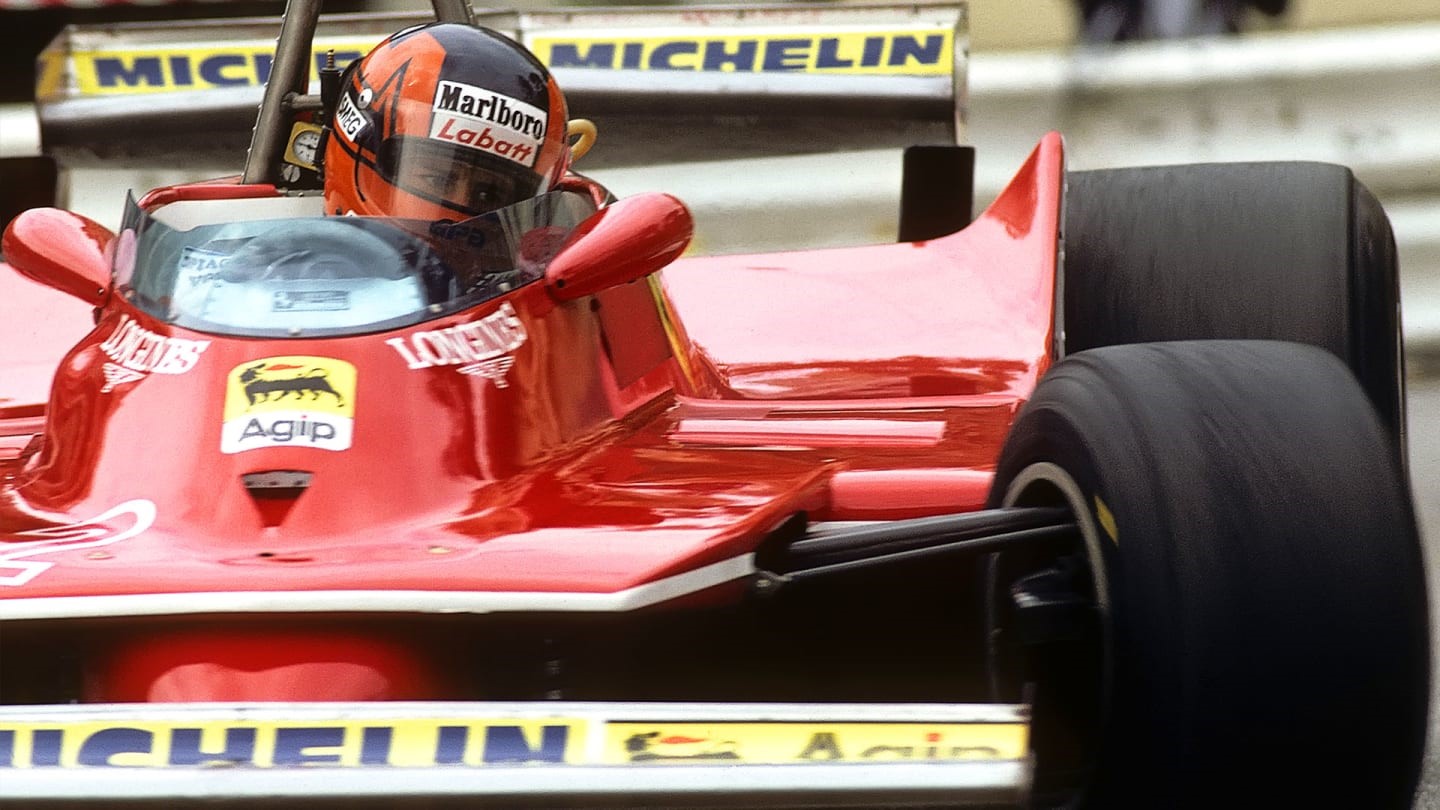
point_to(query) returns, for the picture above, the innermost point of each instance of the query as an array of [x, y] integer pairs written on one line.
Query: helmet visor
[[462, 179]]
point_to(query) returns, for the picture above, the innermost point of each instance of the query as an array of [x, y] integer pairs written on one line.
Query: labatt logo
[[488, 121], [289, 401]]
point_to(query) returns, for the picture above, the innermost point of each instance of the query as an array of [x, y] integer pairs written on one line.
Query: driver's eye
[[487, 195], [433, 180]]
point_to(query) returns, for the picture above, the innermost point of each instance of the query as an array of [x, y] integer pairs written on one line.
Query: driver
[[444, 121]]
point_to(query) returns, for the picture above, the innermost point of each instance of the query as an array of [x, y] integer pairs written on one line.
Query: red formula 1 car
[[1097, 500]]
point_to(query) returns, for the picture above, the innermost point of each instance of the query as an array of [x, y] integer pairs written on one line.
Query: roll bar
[[289, 77]]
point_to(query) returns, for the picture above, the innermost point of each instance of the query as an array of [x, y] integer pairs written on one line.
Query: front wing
[[509, 754]]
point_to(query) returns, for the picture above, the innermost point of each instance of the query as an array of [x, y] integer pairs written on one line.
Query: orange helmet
[[443, 121]]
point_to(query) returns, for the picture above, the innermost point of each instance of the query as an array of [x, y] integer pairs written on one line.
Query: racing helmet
[[444, 121]]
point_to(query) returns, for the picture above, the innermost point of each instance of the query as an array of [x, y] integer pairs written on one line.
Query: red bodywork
[[646, 440]]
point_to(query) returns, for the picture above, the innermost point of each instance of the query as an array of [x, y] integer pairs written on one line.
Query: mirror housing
[[62, 250], [627, 240]]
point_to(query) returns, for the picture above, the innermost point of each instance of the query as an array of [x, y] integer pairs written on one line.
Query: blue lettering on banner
[[213, 70], [631, 58], [180, 69], [194, 70], [147, 70], [450, 745], [292, 745], [829, 55], [741, 60], [185, 747], [906, 48], [375, 745], [45, 745], [508, 744], [786, 54], [921, 52], [663, 57], [99, 747], [874, 46], [262, 67], [502, 744], [199, 746], [567, 54]]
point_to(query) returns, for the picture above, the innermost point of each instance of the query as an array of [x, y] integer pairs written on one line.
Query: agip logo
[[291, 401]]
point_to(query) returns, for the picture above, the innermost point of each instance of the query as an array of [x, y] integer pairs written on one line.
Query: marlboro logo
[[489, 122]]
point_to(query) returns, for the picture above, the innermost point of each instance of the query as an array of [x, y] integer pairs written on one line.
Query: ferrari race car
[[1098, 500]]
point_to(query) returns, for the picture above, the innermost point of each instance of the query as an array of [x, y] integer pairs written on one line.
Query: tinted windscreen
[[319, 276]]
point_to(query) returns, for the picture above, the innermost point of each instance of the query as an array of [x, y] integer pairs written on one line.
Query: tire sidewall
[[1264, 561]]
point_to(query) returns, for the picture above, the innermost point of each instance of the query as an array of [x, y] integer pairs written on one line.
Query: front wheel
[[1243, 622]]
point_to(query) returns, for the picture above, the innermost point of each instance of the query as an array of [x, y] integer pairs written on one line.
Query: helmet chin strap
[[359, 191]]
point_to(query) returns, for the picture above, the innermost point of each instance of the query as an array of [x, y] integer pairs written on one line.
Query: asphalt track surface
[[1424, 423]]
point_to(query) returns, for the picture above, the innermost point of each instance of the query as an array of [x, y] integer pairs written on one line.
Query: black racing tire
[[1294, 251], [1258, 595]]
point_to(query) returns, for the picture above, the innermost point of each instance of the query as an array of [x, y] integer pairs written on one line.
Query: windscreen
[[326, 276]]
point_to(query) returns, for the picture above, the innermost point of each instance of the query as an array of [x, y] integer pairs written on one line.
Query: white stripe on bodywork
[[367, 601], [90, 533]]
